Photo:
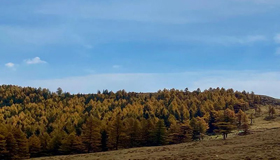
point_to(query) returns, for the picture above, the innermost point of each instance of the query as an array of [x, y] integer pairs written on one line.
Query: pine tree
[[91, 134], [180, 133], [224, 128], [55, 142], [129, 119], [22, 142], [225, 123], [173, 134], [160, 133], [148, 127], [59, 91], [3, 130], [34, 146], [45, 142], [186, 132], [67, 144], [3, 151], [211, 122], [117, 132], [12, 147], [240, 116], [72, 144], [133, 132], [245, 125], [78, 146], [104, 140], [199, 127]]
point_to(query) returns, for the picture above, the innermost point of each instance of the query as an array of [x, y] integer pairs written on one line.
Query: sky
[[141, 45]]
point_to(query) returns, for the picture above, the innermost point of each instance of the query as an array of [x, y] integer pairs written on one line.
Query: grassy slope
[[264, 143]]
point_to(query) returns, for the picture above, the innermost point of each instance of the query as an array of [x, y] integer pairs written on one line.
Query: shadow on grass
[[269, 118]]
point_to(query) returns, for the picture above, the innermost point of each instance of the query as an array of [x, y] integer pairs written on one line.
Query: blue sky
[[141, 45]]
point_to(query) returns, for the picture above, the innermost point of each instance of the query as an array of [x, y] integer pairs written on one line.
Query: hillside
[[35, 122], [263, 143], [269, 100]]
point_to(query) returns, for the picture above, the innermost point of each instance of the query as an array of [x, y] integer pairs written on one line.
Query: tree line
[[36, 122]]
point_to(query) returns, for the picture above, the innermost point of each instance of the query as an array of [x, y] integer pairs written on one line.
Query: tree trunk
[[117, 142], [224, 136]]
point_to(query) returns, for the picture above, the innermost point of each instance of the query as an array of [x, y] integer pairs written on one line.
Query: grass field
[[263, 143]]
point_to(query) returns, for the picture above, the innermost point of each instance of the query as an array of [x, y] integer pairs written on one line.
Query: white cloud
[[265, 83], [10, 65], [35, 60], [116, 66], [255, 38], [219, 39], [277, 38], [242, 40], [231, 40]]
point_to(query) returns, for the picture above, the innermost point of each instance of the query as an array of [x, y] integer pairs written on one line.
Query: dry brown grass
[[263, 143]]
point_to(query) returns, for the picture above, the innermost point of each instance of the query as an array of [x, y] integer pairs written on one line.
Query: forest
[[36, 122]]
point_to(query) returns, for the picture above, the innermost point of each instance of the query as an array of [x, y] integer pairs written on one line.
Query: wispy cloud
[[240, 40], [116, 66], [228, 40], [35, 60], [277, 38], [252, 39], [10, 65], [179, 12]]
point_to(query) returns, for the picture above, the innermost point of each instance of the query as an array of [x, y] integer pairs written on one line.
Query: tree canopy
[[37, 122]]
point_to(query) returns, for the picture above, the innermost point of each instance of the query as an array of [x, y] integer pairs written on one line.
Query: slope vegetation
[[259, 145], [37, 123], [263, 142]]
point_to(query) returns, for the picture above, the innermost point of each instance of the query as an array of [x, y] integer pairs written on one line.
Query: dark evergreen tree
[[91, 134], [22, 143], [104, 140], [117, 132], [3, 151], [72, 144], [160, 133], [34, 146], [12, 147]]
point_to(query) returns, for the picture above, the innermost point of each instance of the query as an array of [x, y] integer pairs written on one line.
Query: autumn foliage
[[37, 122]]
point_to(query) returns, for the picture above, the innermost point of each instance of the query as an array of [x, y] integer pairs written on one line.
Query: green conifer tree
[[160, 133]]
